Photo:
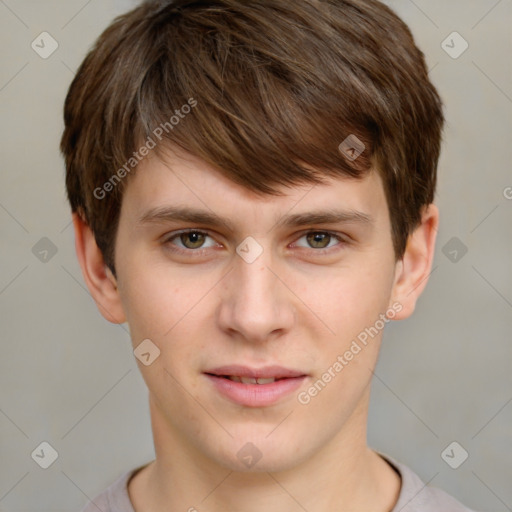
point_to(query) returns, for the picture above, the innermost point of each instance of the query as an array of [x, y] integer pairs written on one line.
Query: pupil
[[192, 238], [319, 238]]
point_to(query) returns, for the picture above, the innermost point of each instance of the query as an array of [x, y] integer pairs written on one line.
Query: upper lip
[[266, 372]]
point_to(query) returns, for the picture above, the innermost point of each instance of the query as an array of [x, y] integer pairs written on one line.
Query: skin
[[292, 306]]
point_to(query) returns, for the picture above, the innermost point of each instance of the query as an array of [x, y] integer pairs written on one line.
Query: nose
[[256, 304]]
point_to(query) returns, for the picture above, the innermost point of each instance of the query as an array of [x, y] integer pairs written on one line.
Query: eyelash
[[200, 252]]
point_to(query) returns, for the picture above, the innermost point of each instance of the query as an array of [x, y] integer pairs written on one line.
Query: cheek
[[351, 305], [162, 311], [172, 310], [347, 299], [152, 303]]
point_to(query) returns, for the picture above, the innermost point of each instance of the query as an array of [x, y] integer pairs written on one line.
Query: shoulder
[[416, 496], [115, 498]]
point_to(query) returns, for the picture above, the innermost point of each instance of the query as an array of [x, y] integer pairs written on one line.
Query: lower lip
[[256, 395]]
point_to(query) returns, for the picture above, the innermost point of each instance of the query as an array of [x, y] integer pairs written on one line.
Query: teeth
[[250, 380], [266, 381]]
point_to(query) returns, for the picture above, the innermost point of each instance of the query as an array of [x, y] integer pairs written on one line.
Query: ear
[[413, 270], [97, 276]]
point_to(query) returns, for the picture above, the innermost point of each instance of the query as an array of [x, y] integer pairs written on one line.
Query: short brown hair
[[277, 85]]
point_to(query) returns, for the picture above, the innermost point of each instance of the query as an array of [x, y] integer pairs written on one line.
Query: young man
[[252, 187]]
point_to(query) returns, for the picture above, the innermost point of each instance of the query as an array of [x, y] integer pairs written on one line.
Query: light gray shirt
[[414, 496]]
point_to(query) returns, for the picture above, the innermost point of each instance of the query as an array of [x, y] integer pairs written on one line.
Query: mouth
[[255, 387], [250, 375], [248, 380]]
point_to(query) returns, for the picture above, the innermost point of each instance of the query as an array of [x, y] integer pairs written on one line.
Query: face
[[277, 282]]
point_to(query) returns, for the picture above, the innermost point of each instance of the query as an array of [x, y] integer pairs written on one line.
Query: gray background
[[69, 377]]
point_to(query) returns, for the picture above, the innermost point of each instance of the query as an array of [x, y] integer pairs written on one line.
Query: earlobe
[[413, 271], [98, 277]]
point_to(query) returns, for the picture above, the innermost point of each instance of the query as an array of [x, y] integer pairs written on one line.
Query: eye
[[319, 240], [190, 241]]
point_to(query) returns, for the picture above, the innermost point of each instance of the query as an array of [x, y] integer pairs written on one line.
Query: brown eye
[[318, 239], [321, 242], [192, 240]]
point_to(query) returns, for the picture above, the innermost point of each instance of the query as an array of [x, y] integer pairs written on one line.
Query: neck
[[344, 475]]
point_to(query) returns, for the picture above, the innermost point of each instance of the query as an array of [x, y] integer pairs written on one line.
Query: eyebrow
[[196, 216]]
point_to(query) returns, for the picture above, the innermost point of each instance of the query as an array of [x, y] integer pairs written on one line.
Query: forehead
[[182, 186]]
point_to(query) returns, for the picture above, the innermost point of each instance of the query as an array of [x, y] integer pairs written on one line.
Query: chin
[[259, 452]]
